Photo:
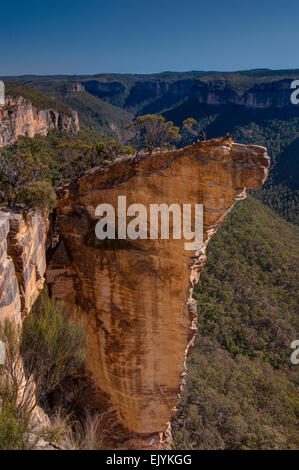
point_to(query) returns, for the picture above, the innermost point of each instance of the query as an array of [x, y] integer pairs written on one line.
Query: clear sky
[[138, 36]]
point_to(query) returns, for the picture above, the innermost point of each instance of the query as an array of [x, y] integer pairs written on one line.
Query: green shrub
[[14, 399], [52, 346], [37, 195], [38, 357], [14, 428]]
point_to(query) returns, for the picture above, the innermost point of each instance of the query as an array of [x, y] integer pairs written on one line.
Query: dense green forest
[[242, 390]]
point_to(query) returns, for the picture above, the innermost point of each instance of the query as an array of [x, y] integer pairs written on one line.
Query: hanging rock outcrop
[[136, 295]]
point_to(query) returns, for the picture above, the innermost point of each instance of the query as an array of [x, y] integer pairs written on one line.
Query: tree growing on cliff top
[[191, 131], [152, 131]]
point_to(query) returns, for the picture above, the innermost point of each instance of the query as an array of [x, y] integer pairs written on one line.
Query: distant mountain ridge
[[256, 88], [254, 106]]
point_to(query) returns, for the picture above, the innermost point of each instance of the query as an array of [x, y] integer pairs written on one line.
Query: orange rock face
[[136, 295], [20, 117]]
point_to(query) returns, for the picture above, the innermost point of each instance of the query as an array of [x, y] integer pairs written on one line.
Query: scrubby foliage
[[52, 344], [21, 165], [38, 356], [241, 388], [30, 169], [75, 158], [75, 434], [14, 426], [15, 403], [38, 195]]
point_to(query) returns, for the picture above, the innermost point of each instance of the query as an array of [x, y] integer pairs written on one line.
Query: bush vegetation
[[75, 434], [30, 169], [47, 348], [52, 345], [241, 388]]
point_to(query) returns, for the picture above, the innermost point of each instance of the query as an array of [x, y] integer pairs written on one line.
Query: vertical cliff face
[[19, 117], [22, 263], [136, 295], [22, 269]]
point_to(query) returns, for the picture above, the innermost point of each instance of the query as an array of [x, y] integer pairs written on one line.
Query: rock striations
[[22, 262], [18, 117], [136, 295]]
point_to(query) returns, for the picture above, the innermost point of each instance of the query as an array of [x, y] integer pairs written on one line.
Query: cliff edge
[[19, 117], [136, 295]]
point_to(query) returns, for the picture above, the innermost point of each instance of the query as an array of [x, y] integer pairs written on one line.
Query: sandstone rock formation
[[22, 262], [19, 117], [136, 295]]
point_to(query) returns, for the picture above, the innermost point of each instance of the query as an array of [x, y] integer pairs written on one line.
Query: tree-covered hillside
[[242, 390]]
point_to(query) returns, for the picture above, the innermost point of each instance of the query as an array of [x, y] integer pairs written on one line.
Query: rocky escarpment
[[274, 94], [22, 262], [136, 295], [19, 117]]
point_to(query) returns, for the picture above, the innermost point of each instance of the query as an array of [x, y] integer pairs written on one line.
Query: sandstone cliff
[[136, 295], [273, 94], [22, 263], [19, 117]]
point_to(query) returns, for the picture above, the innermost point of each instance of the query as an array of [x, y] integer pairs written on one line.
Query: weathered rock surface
[[22, 262], [136, 295], [19, 117]]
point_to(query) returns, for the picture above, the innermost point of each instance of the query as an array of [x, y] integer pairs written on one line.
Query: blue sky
[[130, 36]]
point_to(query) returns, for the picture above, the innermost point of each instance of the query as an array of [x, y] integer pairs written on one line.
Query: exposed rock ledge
[[19, 117], [136, 295]]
